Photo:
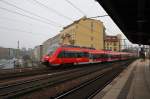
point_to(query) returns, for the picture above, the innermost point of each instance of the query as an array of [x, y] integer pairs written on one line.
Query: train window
[[69, 54], [50, 53], [79, 54], [72, 54], [95, 56], [104, 55], [109, 56], [61, 54], [85, 54], [91, 56]]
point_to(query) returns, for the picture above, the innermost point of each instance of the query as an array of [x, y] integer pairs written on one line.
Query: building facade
[[113, 43], [84, 32], [7, 53], [51, 43], [37, 53]]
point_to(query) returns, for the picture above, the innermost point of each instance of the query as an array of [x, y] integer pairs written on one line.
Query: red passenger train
[[81, 55]]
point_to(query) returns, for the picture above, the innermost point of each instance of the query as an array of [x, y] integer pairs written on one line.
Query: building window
[[76, 26], [92, 46], [92, 27], [114, 43], [107, 44], [110, 48], [107, 48], [73, 36], [91, 38]]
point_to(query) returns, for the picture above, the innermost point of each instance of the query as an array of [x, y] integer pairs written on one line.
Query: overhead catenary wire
[[75, 7], [58, 13], [43, 18], [18, 30], [55, 11], [51, 9], [14, 20], [24, 22], [99, 16], [37, 19], [82, 13], [11, 11]]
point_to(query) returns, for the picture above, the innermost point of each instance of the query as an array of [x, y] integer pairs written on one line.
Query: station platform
[[132, 83]]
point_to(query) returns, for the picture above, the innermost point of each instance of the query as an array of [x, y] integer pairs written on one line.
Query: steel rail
[[88, 83], [38, 82]]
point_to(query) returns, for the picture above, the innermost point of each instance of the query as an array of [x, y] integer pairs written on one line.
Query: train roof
[[74, 49], [97, 51], [90, 50], [71, 46]]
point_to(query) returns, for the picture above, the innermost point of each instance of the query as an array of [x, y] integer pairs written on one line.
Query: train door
[[90, 57]]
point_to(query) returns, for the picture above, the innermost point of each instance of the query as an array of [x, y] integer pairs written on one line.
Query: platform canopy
[[132, 17]]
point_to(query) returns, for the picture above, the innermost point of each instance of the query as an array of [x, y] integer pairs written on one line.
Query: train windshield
[[51, 50], [50, 53]]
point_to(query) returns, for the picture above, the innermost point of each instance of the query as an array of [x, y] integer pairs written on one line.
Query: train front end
[[51, 59], [45, 60]]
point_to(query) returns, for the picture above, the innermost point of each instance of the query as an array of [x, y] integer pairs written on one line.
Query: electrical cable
[[18, 30], [28, 12], [75, 7], [26, 16], [51, 9]]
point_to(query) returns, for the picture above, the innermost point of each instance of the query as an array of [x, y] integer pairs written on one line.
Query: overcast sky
[[41, 23]]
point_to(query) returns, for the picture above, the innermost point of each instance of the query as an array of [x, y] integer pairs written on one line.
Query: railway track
[[20, 73], [90, 88], [22, 88], [33, 84]]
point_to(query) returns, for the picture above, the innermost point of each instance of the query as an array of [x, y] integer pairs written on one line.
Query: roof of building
[[77, 21], [111, 38], [48, 40]]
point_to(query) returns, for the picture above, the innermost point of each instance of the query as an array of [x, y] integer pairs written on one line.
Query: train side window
[[91, 56], [94, 56], [61, 54], [86, 54], [69, 54], [100, 56], [79, 54], [72, 55], [82, 54], [66, 54], [110, 56], [107, 56], [103, 56]]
